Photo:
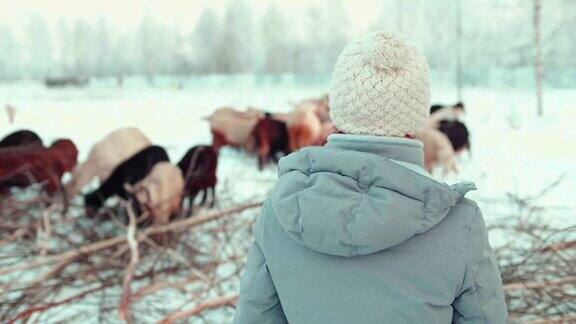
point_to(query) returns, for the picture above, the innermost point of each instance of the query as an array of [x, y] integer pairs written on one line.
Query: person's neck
[[401, 149]]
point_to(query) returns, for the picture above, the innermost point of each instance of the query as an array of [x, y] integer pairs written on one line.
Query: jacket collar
[[400, 149]]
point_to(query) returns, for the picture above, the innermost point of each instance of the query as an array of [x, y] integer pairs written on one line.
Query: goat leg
[[191, 198], [204, 197], [213, 200]]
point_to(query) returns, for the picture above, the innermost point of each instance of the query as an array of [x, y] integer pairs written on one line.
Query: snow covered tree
[[335, 32], [458, 50], [102, 47], [10, 64], [385, 19], [205, 42], [82, 50], [539, 68], [326, 35], [122, 55], [399, 16], [235, 46], [39, 49], [64, 52], [148, 60], [498, 46], [276, 41]]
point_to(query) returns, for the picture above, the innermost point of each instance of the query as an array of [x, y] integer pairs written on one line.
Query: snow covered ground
[[513, 151]]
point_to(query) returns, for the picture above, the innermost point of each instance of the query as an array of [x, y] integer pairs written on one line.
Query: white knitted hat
[[380, 87]]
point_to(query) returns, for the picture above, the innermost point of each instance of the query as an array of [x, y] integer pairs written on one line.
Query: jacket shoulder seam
[[467, 252], [468, 266], [355, 213]]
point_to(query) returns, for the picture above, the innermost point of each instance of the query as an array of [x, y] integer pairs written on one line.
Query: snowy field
[[513, 151]]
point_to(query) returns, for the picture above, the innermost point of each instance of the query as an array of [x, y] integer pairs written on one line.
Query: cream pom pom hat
[[380, 87]]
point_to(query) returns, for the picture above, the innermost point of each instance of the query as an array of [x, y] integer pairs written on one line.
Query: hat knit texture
[[380, 87]]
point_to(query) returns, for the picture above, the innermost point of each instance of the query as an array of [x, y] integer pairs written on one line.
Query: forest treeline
[[238, 39]]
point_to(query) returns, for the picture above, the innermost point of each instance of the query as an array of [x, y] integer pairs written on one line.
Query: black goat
[[457, 133], [130, 171], [22, 137]]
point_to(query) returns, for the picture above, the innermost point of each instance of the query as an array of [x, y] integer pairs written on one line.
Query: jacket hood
[[359, 195]]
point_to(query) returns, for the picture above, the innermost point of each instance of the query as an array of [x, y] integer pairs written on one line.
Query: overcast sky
[[126, 13]]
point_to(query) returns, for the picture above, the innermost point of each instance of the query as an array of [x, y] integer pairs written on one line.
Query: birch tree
[[539, 68], [459, 69]]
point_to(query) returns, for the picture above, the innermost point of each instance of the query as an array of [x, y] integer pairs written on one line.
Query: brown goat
[[198, 167], [231, 127], [22, 167], [271, 138], [437, 150], [304, 127]]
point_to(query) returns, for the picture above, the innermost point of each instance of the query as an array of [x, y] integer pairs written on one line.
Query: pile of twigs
[[538, 259], [67, 267]]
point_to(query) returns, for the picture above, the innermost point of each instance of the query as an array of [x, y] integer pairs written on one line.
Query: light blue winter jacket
[[356, 232]]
